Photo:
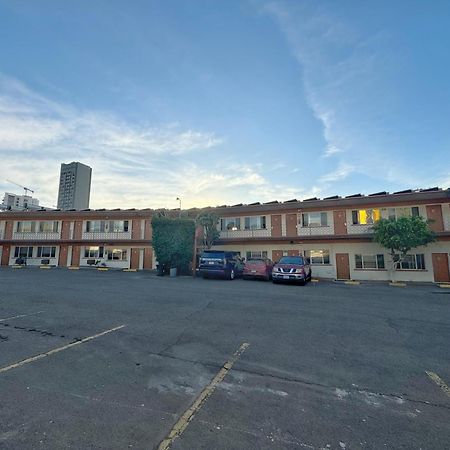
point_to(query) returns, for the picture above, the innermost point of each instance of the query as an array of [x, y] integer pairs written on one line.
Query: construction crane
[[23, 187]]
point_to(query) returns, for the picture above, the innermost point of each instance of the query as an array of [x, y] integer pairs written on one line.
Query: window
[[93, 252], [118, 226], [233, 224], [369, 261], [48, 226], [255, 223], [256, 255], [116, 254], [26, 227], [23, 252], [413, 262], [315, 219], [318, 256], [395, 213], [46, 252], [365, 216], [95, 226]]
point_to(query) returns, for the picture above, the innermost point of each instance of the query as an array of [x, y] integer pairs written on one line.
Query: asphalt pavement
[[114, 360]]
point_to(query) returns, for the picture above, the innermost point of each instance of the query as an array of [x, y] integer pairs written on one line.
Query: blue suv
[[220, 263]]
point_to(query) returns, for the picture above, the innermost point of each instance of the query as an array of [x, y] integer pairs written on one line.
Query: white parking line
[[58, 349], [20, 315], [184, 420]]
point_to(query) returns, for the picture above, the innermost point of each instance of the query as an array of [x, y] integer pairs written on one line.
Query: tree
[[173, 241], [401, 235], [208, 221]]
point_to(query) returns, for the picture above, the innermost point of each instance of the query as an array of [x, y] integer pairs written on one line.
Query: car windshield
[[291, 260]]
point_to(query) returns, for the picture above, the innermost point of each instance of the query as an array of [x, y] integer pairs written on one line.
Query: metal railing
[[41, 236], [94, 235], [245, 233]]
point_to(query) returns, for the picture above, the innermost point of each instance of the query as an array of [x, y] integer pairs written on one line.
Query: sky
[[224, 102]]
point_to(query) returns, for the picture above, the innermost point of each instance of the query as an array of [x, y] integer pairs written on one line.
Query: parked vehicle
[[292, 269], [258, 268], [221, 263]]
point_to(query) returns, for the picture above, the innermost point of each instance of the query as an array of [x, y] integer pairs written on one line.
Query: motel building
[[334, 232]]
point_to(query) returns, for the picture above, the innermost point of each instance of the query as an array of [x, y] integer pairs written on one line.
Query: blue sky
[[223, 102]]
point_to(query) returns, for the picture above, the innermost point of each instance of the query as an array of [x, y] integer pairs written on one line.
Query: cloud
[[342, 171], [346, 79], [134, 164]]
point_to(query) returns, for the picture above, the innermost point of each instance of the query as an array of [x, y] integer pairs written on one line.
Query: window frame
[[418, 259], [321, 219], [378, 257], [90, 253], [252, 254], [325, 255], [261, 223], [226, 222], [356, 216]]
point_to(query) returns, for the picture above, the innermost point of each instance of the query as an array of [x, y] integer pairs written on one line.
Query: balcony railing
[[40, 236], [229, 234], [359, 229], [94, 235], [315, 231]]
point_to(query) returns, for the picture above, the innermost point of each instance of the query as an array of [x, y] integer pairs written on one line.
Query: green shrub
[[173, 242]]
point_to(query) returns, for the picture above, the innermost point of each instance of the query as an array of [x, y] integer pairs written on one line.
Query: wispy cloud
[[134, 164], [345, 75], [341, 172]]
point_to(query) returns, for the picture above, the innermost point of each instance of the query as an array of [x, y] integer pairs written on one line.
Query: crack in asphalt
[[37, 331], [304, 382]]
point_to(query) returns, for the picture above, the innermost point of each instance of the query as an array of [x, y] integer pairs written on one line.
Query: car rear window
[[257, 262], [291, 260], [214, 255]]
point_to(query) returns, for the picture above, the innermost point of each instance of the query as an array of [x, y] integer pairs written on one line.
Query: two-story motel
[[334, 232]]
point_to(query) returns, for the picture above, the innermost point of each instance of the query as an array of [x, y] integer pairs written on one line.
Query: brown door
[[148, 230], [136, 229], [134, 258], [76, 256], [340, 222], [62, 255], [276, 255], [440, 267], [434, 213], [148, 258], [293, 253], [78, 230], [5, 255], [342, 266], [8, 230], [65, 230], [291, 225], [276, 225]]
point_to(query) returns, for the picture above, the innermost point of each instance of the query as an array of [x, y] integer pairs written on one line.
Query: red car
[[292, 268], [258, 268]]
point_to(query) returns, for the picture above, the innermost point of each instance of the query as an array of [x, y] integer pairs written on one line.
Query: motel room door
[[342, 266], [440, 267], [276, 225]]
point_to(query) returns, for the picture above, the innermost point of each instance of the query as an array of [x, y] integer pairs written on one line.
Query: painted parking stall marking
[[188, 415], [20, 315], [58, 349]]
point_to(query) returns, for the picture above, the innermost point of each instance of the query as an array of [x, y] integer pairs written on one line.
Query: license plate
[[211, 262], [286, 277], [253, 271]]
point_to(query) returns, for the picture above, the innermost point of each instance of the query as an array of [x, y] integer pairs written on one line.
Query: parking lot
[[113, 360]]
